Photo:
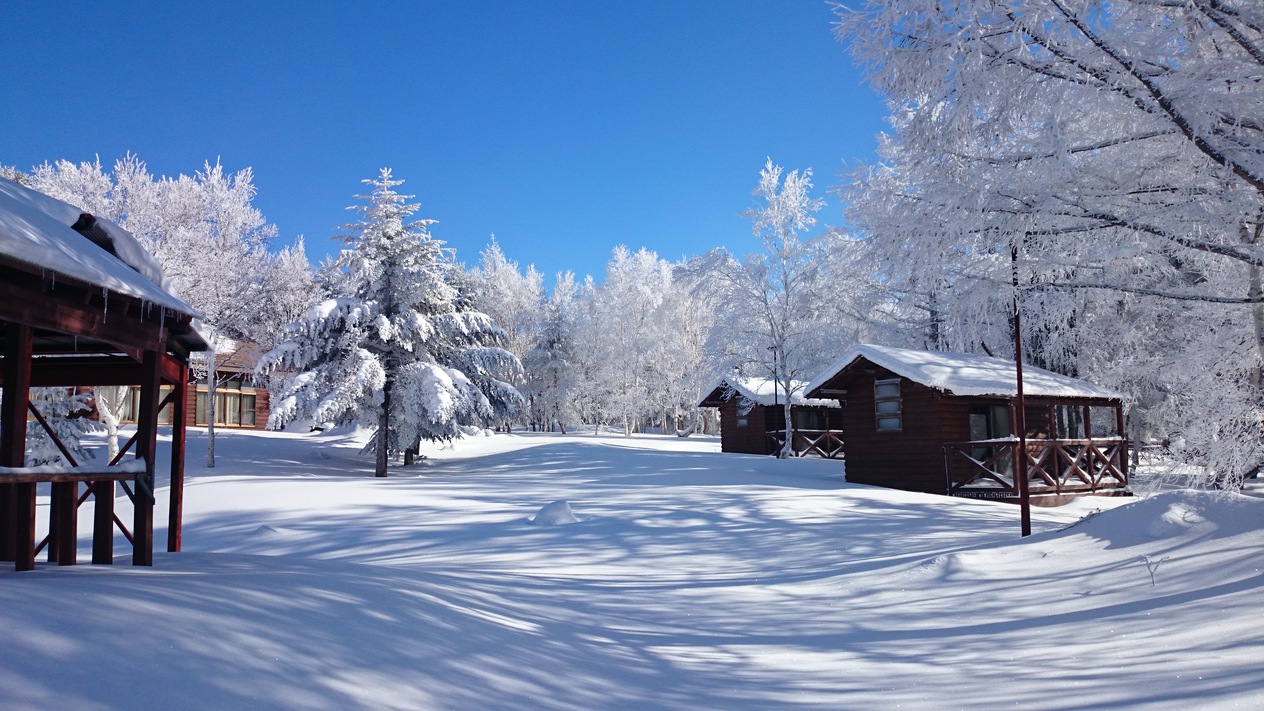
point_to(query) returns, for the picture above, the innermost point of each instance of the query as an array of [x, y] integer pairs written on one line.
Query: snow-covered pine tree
[[66, 414], [388, 350]]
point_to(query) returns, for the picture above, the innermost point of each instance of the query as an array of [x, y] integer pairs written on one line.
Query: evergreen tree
[[398, 347]]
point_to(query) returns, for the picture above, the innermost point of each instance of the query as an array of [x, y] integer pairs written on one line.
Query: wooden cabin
[[239, 402], [753, 418], [82, 303], [943, 423]]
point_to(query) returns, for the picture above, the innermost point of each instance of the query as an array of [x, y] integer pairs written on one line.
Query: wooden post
[[147, 450], [179, 424], [1123, 441], [18, 525], [1020, 408], [103, 522], [63, 523]]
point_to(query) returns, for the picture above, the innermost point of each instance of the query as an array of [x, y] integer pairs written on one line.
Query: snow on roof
[[35, 229], [766, 391], [964, 374]]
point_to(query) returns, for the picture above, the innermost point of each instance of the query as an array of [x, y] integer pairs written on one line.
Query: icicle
[[105, 298], [162, 320]]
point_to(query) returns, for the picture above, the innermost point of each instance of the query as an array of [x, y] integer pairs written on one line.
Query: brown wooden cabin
[[239, 402], [81, 303], [942, 423], [753, 418]]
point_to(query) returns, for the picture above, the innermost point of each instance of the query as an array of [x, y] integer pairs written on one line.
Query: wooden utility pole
[[1020, 408]]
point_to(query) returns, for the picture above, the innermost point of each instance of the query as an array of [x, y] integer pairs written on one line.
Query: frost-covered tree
[[66, 413], [1116, 145], [619, 338], [550, 362], [776, 296], [398, 348], [515, 301], [210, 240]]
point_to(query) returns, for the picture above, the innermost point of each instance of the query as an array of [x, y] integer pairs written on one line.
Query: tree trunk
[[110, 410], [210, 412], [787, 449], [1251, 234], [383, 429]]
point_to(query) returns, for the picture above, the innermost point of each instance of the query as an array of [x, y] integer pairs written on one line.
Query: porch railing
[[827, 444], [985, 469]]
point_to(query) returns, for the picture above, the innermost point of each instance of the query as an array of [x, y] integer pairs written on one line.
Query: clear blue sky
[[565, 128]]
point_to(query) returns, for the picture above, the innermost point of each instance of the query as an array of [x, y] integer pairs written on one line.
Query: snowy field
[[691, 580]]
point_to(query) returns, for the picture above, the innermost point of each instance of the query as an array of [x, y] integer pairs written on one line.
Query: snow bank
[[557, 513]]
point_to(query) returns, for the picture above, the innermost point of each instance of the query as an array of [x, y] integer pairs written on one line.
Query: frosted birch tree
[[1116, 145], [774, 296], [210, 240], [549, 363]]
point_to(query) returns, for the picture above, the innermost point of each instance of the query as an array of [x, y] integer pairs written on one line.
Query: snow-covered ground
[[691, 580]]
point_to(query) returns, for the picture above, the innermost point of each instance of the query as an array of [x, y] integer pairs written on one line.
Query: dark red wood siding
[[911, 458], [751, 438]]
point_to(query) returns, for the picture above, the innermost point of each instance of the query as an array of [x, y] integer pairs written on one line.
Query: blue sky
[[565, 128]]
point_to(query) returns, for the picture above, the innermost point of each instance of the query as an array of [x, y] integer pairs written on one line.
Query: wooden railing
[[985, 469], [827, 444]]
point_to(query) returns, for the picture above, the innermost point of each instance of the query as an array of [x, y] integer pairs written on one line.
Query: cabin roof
[[35, 231], [763, 391], [964, 374]]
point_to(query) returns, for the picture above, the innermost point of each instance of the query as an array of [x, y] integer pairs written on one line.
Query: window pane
[[886, 388], [888, 407], [248, 410], [129, 406], [888, 424], [1103, 419], [232, 409], [742, 422]]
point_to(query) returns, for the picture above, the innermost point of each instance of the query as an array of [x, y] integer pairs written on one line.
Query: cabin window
[[989, 422], [887, 406], [743, 421], [809, 419], [1068, 421], [131, 405], [1102, 419], [234, 403]]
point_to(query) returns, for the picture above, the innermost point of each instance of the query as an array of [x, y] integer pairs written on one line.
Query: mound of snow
[[557, 513], [1173, 515]]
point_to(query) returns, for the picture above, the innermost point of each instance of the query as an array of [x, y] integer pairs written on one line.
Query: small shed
[[83, 304], [753, 418], [943, 423]]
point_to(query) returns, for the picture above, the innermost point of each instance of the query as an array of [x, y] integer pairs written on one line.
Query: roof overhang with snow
[[762, 391], [964, 374], [61, 281]]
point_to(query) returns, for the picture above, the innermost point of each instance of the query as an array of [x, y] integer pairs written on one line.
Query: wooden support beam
[[147, 450], [18, 525], [179, 426], [66, 307]]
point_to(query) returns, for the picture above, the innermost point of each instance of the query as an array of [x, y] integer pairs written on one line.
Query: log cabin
[[943, 423], [753, 419], [83, 303]]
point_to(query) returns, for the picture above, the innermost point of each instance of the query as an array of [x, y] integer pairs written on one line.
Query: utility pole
[[1020, 409]]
